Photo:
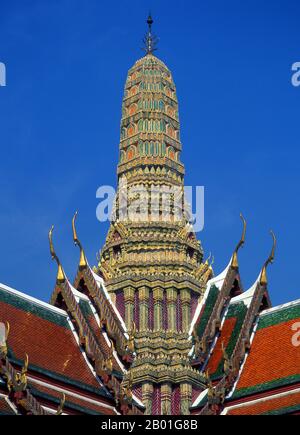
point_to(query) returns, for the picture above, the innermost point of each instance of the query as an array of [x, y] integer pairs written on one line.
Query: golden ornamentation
[[131, 339], [263, 276], [227, 363], [20, 380], [82, 260], [4, 347], [234, 262], [60, 277]]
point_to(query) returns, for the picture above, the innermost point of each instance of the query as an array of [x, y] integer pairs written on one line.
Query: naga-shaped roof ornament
[[150, 40], [270, 259], [60, 277], [234, 262], [82, 260]]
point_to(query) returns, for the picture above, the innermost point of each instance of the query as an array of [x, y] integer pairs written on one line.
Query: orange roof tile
[[46, 337], [273, 356], [285, 403], [5, 409], [72, 402], [224, 338]]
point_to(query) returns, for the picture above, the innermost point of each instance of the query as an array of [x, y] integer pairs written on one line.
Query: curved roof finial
[[234, 262], [150, 40], [270, 259], [60, 277], [82, 260]]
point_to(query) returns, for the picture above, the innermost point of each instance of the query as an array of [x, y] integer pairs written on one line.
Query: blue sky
[[60, 112]]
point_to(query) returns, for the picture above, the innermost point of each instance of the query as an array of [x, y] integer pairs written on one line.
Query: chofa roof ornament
[[60, 277], [234, 261], [270, 259], [82, 260]]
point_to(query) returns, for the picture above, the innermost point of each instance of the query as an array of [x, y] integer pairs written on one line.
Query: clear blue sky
[[67, 61]]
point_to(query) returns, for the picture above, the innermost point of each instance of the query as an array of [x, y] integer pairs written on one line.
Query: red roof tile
[[47, 339], [72, 402], [224, 338], [285, 403], [5, 409], [272, 356]]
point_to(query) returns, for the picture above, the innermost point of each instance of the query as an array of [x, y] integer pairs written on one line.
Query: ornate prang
[[153, 268]]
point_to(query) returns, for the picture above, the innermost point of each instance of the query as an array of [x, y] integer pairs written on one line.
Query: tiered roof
[[57, 364], [74, 357], [274, 360], [70, 355], [252, 358]]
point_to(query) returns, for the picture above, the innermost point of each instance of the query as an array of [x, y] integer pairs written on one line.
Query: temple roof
[[42, 331], [46, 334], [6, 407], [271, 346], [268, 379], [206, 305], [287, 402]]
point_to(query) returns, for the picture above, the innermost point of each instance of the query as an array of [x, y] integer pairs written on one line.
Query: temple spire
[[150, 40]]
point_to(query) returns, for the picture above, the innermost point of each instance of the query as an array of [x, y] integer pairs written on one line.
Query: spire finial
[[150, 40], [150, 21]]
